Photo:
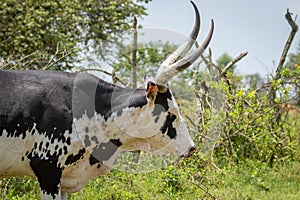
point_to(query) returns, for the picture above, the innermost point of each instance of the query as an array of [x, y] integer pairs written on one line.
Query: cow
[[65, 128]]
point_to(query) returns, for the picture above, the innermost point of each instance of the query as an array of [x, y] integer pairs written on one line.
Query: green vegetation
[[251, 180], [32, 32]]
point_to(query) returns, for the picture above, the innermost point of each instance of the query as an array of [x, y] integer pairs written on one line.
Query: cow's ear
[[151, 90]]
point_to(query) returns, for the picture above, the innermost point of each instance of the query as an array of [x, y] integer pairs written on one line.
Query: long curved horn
[[188, 43], [166, 73]]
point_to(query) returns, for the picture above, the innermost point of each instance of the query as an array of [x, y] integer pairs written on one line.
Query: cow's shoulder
[[39, 99]]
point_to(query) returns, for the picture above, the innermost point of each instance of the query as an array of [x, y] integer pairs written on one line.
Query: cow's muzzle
[[191, 151]]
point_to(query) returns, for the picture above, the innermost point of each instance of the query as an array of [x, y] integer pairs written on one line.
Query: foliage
[[46, 27], [240, 124], [19, 188], [253, 132], [252, 128], [252, 180]]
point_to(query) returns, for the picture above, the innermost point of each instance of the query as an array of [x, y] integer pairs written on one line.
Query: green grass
[[242, 182], [251, 180], [248, 182]]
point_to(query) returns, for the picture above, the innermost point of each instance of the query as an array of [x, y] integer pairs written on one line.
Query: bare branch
[[294, 26], [291, 21], [288, 43], [190, 119], [113, 76], [232, 63], [64, 55], [51, 60], [103, 71]]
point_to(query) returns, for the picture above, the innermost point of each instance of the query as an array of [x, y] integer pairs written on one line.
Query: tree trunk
[[133, 54]]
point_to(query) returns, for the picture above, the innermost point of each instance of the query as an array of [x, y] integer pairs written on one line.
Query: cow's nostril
[[192, 151]]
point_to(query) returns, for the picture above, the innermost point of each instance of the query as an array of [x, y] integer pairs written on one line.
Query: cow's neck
[[125, 119], [111, 99], [122, 118]]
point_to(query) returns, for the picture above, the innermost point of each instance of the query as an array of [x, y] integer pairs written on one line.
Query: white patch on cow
[[44, 195], [134, 128], [183, 142], [12, 149], [15, 162]]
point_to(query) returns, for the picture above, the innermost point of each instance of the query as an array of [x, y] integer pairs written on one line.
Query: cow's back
[[32, 103]]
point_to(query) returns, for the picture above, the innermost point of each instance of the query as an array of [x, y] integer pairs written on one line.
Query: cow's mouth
[[191, 151]]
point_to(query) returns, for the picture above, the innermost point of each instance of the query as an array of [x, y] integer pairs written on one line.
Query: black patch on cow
[[161, 102], [87, 141], [60, 152], [68, 141], [65, 150], [95, 139], [161, 105], [40, 146], [47, 173], [110, 98], [104, 151], [86, 129], [71, 159], [168, 126]]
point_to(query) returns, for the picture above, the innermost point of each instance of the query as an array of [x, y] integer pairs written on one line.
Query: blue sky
[[256, 26]]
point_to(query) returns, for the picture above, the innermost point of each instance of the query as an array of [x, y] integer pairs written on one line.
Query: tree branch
[[287, 46], [133, 54], [102, 71], [232, 63], [288, 43]]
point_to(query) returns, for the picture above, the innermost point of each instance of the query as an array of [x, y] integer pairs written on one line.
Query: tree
[[49, 30]]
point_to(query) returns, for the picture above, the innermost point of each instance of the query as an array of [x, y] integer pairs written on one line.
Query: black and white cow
[[65, 128]]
